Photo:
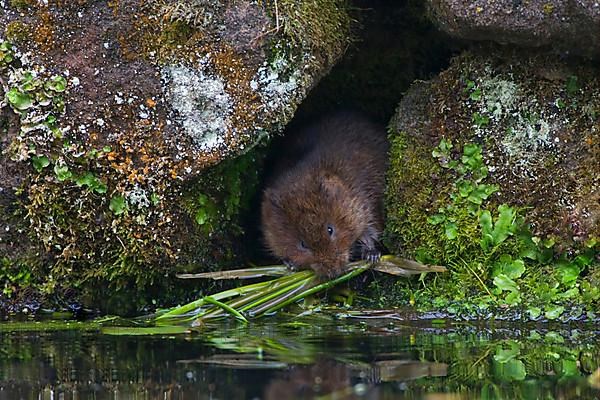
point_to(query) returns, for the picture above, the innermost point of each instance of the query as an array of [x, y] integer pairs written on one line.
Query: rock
[[115, 111], [564, 26], [536, 122], [494, 174]]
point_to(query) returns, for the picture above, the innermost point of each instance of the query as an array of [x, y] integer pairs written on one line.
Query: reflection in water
[[269, 361]]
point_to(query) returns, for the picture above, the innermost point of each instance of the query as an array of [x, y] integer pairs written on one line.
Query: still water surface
[[321, 358]]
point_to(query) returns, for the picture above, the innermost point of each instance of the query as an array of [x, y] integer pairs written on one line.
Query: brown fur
[[330, 199]]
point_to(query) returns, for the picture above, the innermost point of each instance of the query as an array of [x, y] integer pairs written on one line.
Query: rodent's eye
[[303, 245], [330, 230]]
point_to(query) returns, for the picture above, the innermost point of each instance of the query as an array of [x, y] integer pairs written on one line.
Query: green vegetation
[[322, 25], [494, 260], [487, 197]]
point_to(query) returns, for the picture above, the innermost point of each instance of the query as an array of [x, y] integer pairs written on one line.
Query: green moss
[[17, 32], [316, 25], [21, 4], [224, 192]]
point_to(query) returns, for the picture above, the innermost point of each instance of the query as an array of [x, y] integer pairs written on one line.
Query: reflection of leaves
[[507, 366], [505, 355], [514, 370]]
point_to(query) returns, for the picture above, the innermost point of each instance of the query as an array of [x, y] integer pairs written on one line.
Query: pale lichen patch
[[202, 104], [501, 96]]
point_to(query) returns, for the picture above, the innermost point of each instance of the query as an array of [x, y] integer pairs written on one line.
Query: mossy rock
[[129, 133], [494, 173]]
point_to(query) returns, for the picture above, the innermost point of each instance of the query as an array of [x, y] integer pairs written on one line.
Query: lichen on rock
[[202, 105]]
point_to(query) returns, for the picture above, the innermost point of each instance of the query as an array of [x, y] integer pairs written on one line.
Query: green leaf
[[56, 84], [475, 94], [503, 282], [118, 205], [91, 182], [572, 85], [572, 293], [19, 100], [99, 187], [201, 216], [436, 219], [29, 83], [465, 188], [534, 312], [568, 272], [86, 180], [504, 226], [485, 222], [202, 199], [480, 120], [451, 230], [553, 311], [513, 298], [481, 192], [515, 269], [39, 163], [62, 172]]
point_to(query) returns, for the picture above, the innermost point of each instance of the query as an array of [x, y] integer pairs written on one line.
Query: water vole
[[328, 200]]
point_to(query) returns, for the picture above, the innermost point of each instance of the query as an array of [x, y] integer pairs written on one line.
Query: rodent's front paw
[[371, 255], [291, 266]]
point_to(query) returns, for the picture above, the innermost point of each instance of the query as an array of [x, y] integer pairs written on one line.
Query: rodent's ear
[[273, 198]]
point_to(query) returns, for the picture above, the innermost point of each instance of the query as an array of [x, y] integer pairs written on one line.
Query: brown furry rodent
[[329, 201]]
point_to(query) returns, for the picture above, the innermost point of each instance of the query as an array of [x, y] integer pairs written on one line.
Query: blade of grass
[[230, 310], [276, 286], [260, 309], [302, 277], [245, 273], [181, 311], [358, 268]]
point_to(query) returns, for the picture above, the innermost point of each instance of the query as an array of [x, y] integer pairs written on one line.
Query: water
[[318, 357]]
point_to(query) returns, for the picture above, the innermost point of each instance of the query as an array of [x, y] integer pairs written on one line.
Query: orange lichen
[[44, 31]]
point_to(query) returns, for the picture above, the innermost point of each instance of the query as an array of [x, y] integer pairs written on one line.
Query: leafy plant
[[118, 205], [91, 182], [40, 162]]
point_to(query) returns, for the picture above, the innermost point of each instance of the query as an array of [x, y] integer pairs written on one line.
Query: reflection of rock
[[404, 370], [123, 106], [569, 26], [320, 379], [537, 122], [348, 381]]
